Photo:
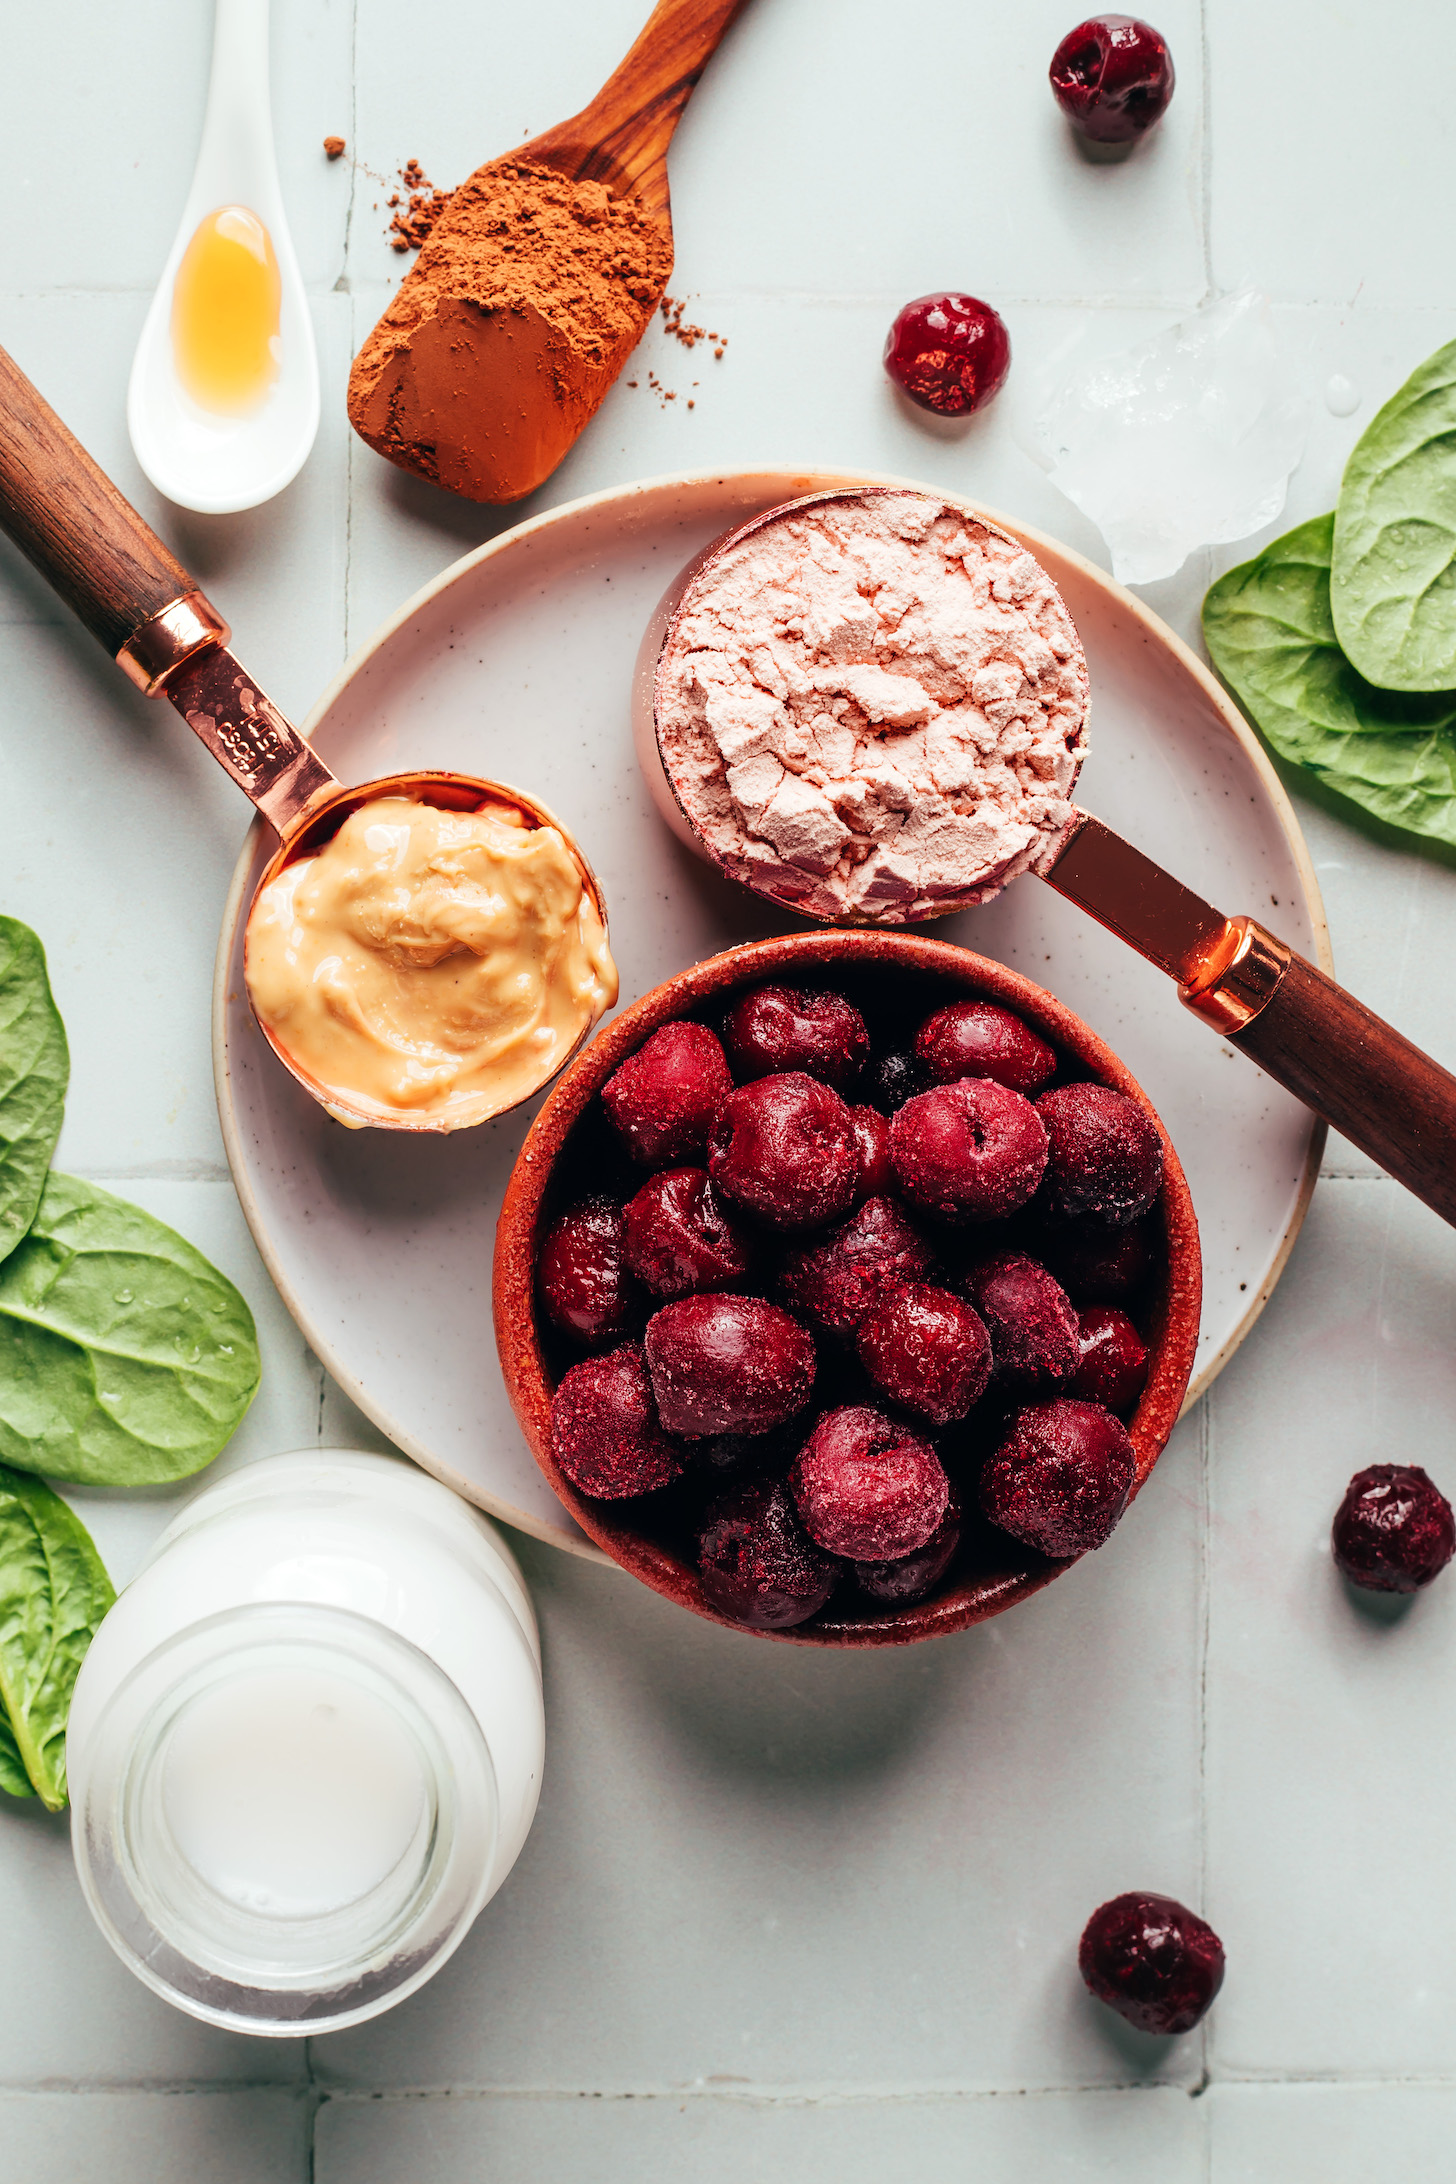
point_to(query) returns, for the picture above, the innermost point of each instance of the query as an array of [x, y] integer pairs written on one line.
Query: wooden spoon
[[528, 297]]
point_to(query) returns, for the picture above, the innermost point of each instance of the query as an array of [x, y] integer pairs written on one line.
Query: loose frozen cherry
[[756, 1562], [1105, 1154], [872, 1143], [969, 1151], [915, 1576], [585, 1286], [1060, 1480], [836, 1281], [1096, 1264], [1114, 1364], [605, 1433], [1030, 1320], [778, 1028], [868, 1487], [723, 1364], [680, 1237], [663, 1098], [1113, 77], [892, 1079], [784, 1149], [1394, 1529], [950, 353], [978, 1039], [926, 1350], [1151, 1959]]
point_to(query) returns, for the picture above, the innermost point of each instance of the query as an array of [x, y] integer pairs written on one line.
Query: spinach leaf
[[13, 1776], [53, 1594], [34, 1068], [125, 1358], [1393, 582], [1271, 636]]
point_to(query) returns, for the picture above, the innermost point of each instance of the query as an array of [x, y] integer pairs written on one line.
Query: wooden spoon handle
[[67, 517], [624, 134], [1337, 1056]]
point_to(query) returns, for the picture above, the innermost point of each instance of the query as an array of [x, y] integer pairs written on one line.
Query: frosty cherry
[[1151, 1959], [979, 1039], [914, 1576], [1113, 77], [1105, 1156], [950, 353], [785, 1150], [679, 1237], [582, 1277], [1394, 1530], [605, 1432], [970, 1151], [756, 1562], [1061, 1478], [1031, 1323], [834, 1282], [727, 1364], [1113, 1368], [868, 1487], [926, 1350], [778, 1028], [663, 1098]]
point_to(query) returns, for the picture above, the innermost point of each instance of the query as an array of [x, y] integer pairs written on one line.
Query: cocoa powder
[[527, 298]]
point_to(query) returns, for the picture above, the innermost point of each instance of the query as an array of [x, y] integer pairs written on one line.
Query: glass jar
[[305, 1747]]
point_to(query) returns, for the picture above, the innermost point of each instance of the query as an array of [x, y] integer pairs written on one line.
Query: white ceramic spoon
[[216, 464]]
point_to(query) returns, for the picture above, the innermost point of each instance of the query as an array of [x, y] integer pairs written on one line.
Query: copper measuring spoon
[[1289, 1017], [137, 600]]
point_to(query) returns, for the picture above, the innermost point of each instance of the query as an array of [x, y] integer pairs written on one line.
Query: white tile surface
[[1137, 2138], [815, 1916]]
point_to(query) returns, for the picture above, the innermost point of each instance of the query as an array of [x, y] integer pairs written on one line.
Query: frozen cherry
[[1096, 1264], [868, 1487], [680, 1237], [1114, 1363], [756, 1562], [784, 1149], [1030, 1320], [723, 1364], [1394, 1530], [915, 1576], [663, 1098], [1105, 1157], [949, 353], [978, 1039], [605, 1433], [892, 1079], [585, 1286], [778, 1028], [1151, 1959], [969, 1151], [926, 1350], [1061, 1478], [872, 1143], [835, 1282], [1113, 77]]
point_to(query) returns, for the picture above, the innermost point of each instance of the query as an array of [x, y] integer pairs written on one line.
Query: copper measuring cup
[[137, 600], [1249, 986]]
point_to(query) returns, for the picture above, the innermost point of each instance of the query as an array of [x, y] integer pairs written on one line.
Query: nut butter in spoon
[[536, 282]]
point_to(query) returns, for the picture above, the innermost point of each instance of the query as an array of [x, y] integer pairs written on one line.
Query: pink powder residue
[[874, 709]]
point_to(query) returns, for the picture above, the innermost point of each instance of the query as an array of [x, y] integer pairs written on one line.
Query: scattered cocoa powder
[[528, 295], [334, 147], [673, 308], [419, 208]]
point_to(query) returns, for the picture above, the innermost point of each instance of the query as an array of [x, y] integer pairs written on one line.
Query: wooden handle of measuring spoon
[[622, 137], [67, 517]]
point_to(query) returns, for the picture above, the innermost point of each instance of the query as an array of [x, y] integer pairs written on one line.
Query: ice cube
[[1187, 440]]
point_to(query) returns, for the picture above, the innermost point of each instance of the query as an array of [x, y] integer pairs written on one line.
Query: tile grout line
[[1206, 152]]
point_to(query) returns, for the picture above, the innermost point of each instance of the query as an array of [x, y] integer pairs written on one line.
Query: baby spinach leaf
[[34, 1068], [125, 1358], [1393, 581], [13, 1776], [53, 1594], [1271, 636]]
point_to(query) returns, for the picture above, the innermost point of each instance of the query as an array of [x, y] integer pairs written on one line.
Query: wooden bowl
[[912, 975]]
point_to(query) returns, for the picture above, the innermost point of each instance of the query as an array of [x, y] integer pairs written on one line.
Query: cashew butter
[[430, 963]]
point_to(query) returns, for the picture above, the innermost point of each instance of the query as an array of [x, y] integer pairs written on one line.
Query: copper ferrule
[[1239, 979], [153, 652]]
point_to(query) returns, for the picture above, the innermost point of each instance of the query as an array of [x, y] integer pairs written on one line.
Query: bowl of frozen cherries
[[847, 1288]]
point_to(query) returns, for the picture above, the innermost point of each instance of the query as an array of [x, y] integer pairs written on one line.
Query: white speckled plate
[[517, 664]]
